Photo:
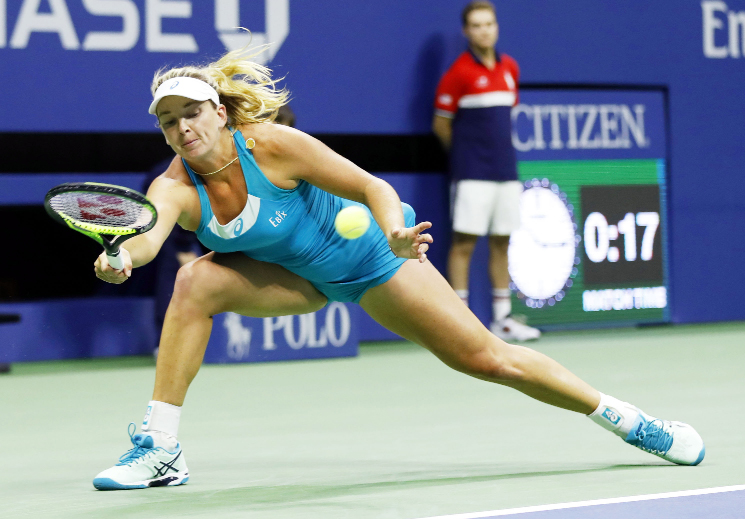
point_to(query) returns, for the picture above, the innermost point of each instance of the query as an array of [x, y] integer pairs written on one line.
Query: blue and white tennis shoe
[[144, 466], [677, 442]]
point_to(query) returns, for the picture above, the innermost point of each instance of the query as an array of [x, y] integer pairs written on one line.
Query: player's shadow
[[279, 496]]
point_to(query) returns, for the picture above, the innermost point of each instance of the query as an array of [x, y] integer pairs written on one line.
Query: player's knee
[[192, 282]]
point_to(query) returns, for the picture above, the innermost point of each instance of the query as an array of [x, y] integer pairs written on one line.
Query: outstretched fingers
[[421, 227], [409, 242], [421, 252], [422, 241]]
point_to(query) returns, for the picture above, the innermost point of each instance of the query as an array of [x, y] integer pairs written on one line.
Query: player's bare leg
[[417, 305], [210, 285], [213, 284]]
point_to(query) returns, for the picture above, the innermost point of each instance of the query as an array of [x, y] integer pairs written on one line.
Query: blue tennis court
[[722, 503]]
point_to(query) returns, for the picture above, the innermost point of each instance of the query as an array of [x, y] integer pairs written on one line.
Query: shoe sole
[[163, 481]]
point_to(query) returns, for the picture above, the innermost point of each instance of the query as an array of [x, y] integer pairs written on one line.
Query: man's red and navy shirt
[[480, 102]]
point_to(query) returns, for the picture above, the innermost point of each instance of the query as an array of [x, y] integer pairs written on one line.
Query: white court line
[[579, 504]]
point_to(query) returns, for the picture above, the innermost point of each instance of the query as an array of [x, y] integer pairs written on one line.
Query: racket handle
[[115, 261]]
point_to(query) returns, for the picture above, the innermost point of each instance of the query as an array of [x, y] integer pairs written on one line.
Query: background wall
[[371, 68]]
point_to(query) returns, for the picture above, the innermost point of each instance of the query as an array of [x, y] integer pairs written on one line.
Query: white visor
[[188, 87]]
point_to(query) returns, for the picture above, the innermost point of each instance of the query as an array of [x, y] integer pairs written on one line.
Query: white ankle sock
[[501, 303], [161, 422], [614, 415], [161, 439], [463, 294]]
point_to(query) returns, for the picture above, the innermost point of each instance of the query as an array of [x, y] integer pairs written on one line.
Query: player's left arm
[[305, 158]]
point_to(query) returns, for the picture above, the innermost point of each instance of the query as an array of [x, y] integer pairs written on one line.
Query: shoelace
[[134, 453], [654, 438]]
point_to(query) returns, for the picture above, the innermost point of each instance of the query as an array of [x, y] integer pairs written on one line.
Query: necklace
[[250, 144], [219, 170]]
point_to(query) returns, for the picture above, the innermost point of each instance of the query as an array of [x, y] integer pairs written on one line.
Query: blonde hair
[[247, 89]]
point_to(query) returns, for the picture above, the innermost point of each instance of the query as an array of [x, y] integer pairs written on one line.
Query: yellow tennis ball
[[352, 222]]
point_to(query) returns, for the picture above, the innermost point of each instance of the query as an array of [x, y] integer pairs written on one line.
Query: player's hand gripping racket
[[108, 214]]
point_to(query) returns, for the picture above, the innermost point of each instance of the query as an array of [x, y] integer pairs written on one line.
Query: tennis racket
[[108, 214]]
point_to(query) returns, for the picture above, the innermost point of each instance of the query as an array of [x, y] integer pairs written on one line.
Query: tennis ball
[[352, 222]]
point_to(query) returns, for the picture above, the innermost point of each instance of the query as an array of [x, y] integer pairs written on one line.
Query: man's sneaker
[[144, 466], [672, 441], [508, 329]]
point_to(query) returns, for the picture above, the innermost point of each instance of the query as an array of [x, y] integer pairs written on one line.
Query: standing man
[[473, 121]]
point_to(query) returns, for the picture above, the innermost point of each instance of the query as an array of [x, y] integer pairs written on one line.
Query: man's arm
[[443, 128]]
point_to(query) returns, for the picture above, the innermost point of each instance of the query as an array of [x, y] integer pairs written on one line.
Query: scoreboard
[[592, 246]]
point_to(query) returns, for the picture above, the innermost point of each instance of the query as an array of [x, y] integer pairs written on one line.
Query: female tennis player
[[264, 198]]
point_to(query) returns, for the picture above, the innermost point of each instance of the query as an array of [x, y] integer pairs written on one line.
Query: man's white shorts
[[482, 207]]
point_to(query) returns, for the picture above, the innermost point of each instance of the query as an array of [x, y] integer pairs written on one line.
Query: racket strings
[[101, 210]]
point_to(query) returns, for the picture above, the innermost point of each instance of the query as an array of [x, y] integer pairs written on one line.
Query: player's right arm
[[176, 201]]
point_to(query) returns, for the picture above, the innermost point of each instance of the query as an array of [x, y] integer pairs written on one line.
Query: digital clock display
[[591, 246], [621, 233]]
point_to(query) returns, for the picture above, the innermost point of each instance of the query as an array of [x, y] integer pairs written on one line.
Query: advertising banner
[[571, 124], [86, 65], [330, 332]]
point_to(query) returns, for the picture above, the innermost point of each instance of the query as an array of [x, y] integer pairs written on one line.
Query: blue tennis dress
[[294, 228]]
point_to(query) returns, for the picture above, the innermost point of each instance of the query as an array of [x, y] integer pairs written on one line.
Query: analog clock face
[[542, 253]]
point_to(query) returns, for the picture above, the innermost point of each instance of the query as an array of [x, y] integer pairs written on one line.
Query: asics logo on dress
[[238, 229], [611, 416]]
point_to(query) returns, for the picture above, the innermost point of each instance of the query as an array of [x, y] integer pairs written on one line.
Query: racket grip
[[115, 261]]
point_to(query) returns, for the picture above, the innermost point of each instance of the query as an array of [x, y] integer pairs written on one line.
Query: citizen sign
[[575, 127], [57, 18]]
